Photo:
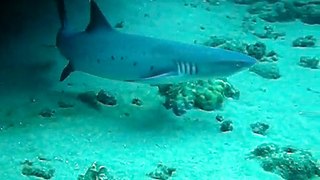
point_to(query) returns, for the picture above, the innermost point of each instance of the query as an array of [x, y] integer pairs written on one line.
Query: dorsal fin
[[97, 19]]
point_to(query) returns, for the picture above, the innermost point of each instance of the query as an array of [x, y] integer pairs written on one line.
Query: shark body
[[102, 51]]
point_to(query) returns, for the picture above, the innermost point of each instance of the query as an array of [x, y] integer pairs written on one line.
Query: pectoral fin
[[66, 71]]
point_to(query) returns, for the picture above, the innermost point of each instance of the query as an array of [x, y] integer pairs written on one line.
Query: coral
[[162, 172], [289, 162], [206, 95]]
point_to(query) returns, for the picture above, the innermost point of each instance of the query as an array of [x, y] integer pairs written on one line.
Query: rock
[[226, 126], [37, 169], [215, 41], [256, 50], [136, 101], [310, 62], [248, 2], [96, 172], [219, 118], [270, 57], [282, 11], [268, 70], [162, 172], [106, 98], [259, 128], [119, 25], [47, 113], [306, 41], [226, 43], [269, 33], [308, 11]]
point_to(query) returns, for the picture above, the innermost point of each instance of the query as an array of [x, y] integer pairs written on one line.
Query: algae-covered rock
[[268, 70], [310, 62], [96, 172], [162, 172], [207, 95], [289, 162]]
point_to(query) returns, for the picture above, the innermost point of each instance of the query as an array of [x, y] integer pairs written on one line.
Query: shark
[[101, 50]]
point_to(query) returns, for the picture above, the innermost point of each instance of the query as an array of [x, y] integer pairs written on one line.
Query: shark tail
[[64, 30], [62, 15]]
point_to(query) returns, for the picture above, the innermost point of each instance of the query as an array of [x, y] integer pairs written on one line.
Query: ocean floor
[[130, 140]]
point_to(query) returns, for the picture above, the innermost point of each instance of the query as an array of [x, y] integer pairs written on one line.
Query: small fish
[[102, 51]]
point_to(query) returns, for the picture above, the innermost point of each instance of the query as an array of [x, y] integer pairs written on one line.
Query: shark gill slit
[[186, 68]]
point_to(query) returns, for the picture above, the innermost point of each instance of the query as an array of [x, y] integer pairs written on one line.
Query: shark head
[[204, 62], [223, 63]]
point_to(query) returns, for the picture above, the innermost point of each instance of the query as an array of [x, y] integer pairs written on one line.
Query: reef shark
[[102, 51]]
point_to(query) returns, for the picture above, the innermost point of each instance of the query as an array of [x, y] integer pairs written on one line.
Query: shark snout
[[229, 62], [245, 62]]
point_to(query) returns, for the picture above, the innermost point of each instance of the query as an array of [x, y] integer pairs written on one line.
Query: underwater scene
[[160, 89]]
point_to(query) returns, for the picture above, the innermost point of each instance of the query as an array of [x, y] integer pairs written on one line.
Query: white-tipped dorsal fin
[[97, 19]]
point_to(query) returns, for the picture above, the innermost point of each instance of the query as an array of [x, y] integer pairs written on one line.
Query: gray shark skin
[[102, 51]]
